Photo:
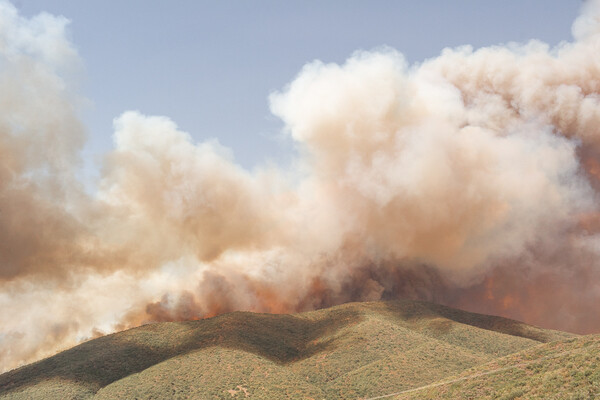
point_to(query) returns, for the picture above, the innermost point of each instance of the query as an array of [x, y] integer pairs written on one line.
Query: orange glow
[[508, 302]]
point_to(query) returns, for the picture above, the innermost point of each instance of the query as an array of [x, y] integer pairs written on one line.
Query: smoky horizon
[[470, 179]]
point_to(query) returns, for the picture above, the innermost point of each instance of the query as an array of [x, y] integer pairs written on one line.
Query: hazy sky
[[210, 65]]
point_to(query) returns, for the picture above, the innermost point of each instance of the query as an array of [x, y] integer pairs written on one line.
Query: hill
[[349, 351], [568, 369]]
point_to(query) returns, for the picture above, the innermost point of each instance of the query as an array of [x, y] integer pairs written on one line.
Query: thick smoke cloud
[[470, 179]]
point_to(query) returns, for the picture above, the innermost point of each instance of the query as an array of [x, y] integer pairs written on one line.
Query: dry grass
[[569, 369], [349, 351]]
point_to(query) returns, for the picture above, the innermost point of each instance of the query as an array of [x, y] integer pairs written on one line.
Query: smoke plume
[[471, 179]]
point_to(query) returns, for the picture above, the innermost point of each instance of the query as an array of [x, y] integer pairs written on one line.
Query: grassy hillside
[[350, 351], [568, 369]]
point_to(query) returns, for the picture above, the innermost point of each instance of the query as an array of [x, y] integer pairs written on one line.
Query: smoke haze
[[470, 179]]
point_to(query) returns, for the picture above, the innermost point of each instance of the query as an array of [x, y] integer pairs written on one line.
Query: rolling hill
[[356, 350], [567, 369]]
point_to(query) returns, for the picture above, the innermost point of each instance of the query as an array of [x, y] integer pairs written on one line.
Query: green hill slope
[[568, 369], [349, 351]]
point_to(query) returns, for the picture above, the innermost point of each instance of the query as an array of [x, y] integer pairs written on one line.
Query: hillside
[[349, 351], [568, 369]]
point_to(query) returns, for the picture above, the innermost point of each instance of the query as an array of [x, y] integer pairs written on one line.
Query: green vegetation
[[349, 351], [568, 369]]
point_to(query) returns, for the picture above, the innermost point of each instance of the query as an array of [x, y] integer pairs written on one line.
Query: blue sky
[[210, 65]]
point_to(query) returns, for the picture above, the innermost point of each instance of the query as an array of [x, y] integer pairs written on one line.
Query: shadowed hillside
[[349, 351]]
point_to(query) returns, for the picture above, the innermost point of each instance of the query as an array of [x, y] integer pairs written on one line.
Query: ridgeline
[[356, 350]]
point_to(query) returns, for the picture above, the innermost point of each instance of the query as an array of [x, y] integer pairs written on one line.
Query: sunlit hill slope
[[356, 350]]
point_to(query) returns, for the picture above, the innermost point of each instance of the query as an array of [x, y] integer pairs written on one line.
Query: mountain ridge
[[330, 353]]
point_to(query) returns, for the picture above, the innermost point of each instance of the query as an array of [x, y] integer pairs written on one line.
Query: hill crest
[[327, 353]]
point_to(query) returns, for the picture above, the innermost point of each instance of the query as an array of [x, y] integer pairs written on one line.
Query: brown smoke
[[470, 180]]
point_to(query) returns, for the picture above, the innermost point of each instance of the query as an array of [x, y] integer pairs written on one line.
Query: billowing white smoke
[[470, 179], [421, 173]]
